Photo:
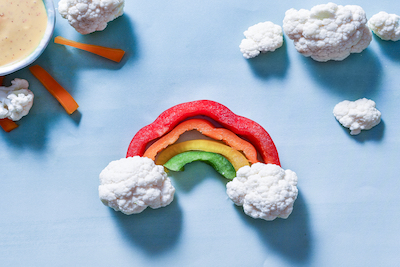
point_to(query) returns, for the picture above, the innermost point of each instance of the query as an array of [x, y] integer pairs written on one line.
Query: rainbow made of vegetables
[[242, 126], [241, 151]]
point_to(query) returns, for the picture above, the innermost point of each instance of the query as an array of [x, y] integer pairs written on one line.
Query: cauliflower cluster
[[264, 190], [328, 31], [262, 37], [385, 26], [132, 184], [357, 115], [15, 100], [88, 16]]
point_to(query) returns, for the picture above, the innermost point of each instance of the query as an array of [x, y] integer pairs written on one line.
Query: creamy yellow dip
[[22, 26]]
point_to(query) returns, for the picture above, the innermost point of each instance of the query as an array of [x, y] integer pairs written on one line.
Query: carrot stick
[[110, 53], [208, 129], [8, 125], [65, 99]]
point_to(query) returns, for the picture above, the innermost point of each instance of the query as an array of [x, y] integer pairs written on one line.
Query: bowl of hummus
[[26, 27]]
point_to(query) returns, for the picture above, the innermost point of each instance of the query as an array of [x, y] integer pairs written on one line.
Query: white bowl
[[51, 20]]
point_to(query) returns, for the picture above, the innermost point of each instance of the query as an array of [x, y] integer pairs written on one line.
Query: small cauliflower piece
[[385, 26], [357, 115], [264, 190], [328, 31], [15, 100], [261, 38], [88, 16], [132, 184]]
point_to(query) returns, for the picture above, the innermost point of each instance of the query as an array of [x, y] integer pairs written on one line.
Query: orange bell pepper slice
[[207, 128]]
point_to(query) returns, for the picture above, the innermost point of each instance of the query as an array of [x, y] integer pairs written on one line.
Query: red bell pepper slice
[[242, 126]]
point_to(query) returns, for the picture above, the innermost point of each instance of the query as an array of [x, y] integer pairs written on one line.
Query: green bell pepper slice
[[217, 161]]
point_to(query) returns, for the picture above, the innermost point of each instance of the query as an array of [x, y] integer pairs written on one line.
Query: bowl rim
[[51, 21]]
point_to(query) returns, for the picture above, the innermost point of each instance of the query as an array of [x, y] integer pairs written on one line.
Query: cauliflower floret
[[357, 115], [329, 31], [262, 37], [88, 16], [264, 190], [132, 184], [385, 26], [15, 100]]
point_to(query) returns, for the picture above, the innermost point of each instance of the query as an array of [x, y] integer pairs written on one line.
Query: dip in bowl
[[26, 27]]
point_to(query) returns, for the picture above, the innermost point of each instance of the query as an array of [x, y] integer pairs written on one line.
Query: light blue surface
[[347, 211]]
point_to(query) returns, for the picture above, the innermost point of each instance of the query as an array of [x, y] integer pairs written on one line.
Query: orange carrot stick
[[65, 99], [8, 125], [208, 129], [110, 53]]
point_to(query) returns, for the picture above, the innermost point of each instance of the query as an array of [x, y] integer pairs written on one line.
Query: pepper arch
[[171, 117], [232, 155], [206, 128], [215, 160]]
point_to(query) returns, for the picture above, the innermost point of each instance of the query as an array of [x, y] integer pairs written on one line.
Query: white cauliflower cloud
[[265, 191], [357, 115], [385, 26], [328, 31], [132, 184], [88, 16], [15, 100], [261, 38]]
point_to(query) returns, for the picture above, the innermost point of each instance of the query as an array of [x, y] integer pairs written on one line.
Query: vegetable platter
[[114, 90]]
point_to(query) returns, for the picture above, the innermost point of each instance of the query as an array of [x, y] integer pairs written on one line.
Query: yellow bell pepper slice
[[237, 159]]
